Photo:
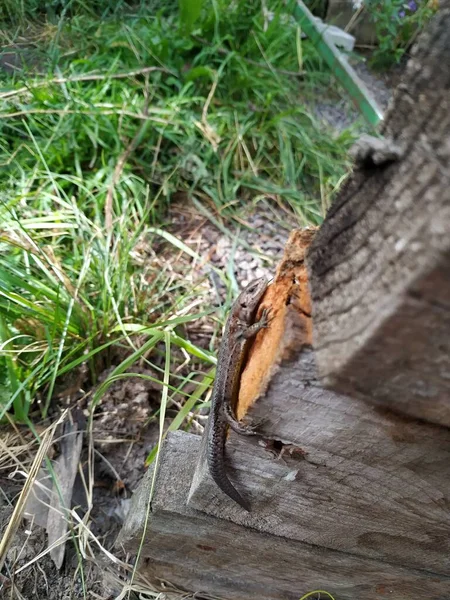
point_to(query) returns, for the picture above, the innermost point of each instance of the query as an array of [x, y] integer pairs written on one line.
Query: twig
[[14, 521], [354, 17], [208, 100], [89, 77]]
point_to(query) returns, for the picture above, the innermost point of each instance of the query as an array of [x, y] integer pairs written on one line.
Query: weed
[[124, 113], [396, 24], [114, 111]]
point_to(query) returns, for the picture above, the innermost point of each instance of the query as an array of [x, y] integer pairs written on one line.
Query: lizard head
[[250, 297]]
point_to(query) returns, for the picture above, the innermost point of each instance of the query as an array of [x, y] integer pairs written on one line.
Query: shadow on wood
[[380, 264]]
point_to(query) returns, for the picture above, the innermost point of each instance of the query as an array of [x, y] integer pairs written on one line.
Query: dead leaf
[[49, 504]]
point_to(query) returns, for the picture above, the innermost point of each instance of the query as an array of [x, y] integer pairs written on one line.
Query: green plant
[[224, 115], [81, 300], [21, 13], [124, 114], [396, 24], [189, 13]]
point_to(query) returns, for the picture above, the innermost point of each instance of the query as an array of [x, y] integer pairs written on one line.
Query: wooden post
[[347, 495], [380, 264], [227, 557], [331, 477]]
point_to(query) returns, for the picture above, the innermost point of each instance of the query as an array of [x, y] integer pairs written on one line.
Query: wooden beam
[[380, 265], [357, 504], [361, 480], [216, 557]]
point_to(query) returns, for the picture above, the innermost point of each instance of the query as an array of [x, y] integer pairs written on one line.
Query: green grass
[[112, 118]]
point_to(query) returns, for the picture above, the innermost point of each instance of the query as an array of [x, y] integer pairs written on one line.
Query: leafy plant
[[189, 13], [124, 114], [396, 24], [83, 300]]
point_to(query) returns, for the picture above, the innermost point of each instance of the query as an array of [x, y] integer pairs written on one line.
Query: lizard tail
[[217, 470], [226, 486]]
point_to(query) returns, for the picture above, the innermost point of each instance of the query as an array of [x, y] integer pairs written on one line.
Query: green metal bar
[[337, 62]]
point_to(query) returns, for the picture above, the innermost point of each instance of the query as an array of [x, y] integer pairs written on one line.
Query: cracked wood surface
[[380, 264], [217, 557], [361, 479]]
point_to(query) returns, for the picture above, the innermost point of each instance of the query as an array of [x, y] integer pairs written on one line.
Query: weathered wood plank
[[371, 483], [219, 558], [380, 264]]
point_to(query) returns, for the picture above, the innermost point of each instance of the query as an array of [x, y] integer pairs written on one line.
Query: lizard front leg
[[249, 331]]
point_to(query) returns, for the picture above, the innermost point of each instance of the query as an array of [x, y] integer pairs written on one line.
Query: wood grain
[[274, 344], [218, 558], [380, 264], [364, 481]]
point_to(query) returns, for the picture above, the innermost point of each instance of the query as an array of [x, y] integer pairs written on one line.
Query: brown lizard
[[240, 327]]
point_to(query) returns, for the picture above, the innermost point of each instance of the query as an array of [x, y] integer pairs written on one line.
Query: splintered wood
[[289, 302], [357, 504], [360, 508]]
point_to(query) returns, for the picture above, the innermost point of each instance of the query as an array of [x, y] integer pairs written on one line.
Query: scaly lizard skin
[[240, 327]]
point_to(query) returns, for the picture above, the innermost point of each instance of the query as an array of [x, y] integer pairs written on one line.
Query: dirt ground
[[125, 429], [125, 426]]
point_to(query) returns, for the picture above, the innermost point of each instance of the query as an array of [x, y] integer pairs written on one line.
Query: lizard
[[239, 328]]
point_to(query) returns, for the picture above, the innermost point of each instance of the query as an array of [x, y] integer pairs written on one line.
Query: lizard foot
[[239, 426]]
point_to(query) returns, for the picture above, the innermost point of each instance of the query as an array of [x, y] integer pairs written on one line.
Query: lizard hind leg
[[236, 425]]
